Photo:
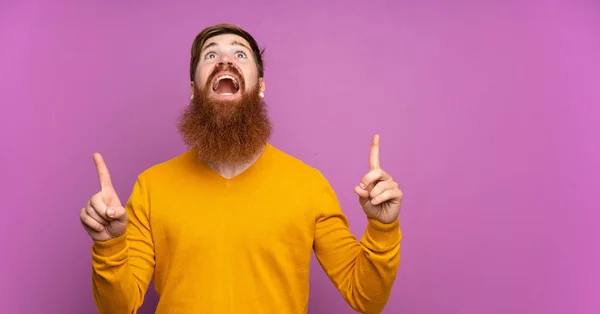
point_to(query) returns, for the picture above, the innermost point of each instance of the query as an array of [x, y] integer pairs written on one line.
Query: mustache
[[225, 68]]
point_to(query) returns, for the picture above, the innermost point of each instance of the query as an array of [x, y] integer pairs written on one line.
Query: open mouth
[[226, 85]]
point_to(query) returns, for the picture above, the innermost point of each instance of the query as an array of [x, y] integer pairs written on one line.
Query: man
[[229, 226]]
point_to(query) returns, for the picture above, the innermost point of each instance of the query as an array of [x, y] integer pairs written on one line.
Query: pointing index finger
[[374, 156], [102, 170]]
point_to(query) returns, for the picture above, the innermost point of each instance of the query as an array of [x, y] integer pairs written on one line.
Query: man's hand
[[378, 193], [104, 217]]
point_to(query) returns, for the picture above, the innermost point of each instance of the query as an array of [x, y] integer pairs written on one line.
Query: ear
[[192, 90], [261, 83]]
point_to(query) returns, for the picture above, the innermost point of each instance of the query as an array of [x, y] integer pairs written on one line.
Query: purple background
[[488, 112]]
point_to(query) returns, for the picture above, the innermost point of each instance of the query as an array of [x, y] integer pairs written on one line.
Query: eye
[[210, 55], [240, 54]]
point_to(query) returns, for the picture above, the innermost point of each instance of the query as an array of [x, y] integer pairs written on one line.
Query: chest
[[233, 223]]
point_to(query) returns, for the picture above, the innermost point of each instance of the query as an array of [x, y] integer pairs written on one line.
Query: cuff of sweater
[[383, 236], [110, 247]]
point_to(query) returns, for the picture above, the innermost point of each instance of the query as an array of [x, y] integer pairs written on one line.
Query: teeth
[[235, 82], [226, 94]]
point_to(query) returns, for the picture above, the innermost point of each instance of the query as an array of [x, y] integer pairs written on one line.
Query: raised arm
[[363, 271], [122, 251]]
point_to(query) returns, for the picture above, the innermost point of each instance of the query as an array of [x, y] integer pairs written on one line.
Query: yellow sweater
[[240, 245]]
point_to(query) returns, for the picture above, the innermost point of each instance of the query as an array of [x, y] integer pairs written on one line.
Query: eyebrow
[[233, 43]]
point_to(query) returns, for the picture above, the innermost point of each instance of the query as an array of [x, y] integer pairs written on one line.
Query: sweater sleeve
[[122, 267], [362, 271]]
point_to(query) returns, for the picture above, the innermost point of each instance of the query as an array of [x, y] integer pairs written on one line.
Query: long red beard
[[225, 132]]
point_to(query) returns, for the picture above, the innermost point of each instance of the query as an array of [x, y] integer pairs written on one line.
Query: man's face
[[226, 121], [227, 69]]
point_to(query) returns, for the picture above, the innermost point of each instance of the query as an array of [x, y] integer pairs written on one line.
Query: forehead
[[226, 40]]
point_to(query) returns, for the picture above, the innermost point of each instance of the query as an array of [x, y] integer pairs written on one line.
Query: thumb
[[116, 213]]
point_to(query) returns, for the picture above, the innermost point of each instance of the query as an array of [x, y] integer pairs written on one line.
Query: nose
[[225, 59]]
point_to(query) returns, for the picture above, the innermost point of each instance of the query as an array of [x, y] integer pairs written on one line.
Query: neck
[[229, 170]]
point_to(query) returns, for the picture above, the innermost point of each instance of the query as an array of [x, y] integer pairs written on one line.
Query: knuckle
[[96, 198], [94, 212], [369, 179], [86, 220]]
